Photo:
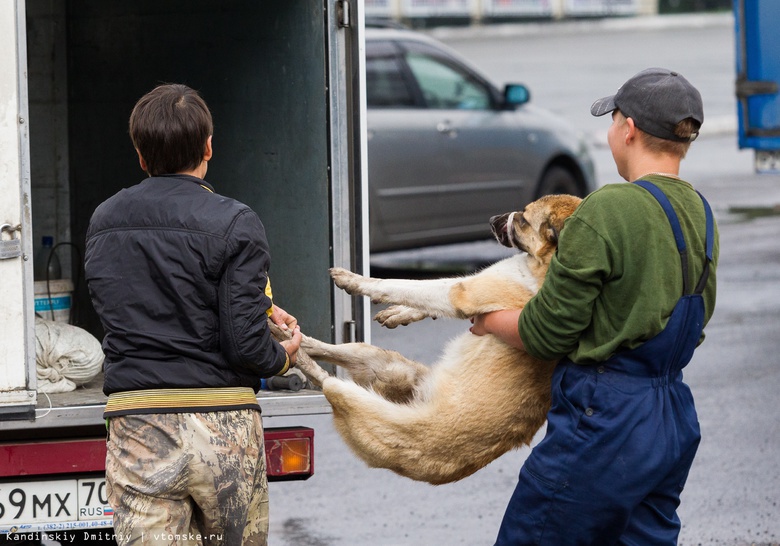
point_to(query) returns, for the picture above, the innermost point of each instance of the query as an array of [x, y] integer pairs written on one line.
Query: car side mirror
[[516, 94]]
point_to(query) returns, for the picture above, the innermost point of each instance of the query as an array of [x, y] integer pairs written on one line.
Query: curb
[[568, 26]]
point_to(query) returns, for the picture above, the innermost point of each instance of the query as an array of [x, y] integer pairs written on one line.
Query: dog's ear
[[554, 226], [558, 218], [552, 232]]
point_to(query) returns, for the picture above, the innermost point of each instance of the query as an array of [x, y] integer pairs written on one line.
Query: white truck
[[285, 84]]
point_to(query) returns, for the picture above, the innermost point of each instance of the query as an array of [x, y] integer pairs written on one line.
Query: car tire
[[559, 180]]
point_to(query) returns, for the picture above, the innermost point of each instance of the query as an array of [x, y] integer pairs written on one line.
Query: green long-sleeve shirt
[[616, 275]]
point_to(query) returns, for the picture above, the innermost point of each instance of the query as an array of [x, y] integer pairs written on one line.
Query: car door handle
[[445, 128]]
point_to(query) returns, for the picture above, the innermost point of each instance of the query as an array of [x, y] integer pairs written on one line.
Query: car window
[[385, 85], [443, 86]]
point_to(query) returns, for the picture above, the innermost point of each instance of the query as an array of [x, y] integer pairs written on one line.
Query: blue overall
[[621, 437]]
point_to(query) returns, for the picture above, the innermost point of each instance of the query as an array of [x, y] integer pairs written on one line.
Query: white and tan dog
[[481, 399]]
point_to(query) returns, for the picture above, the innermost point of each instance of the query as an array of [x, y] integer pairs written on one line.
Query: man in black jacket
[[179, 277]]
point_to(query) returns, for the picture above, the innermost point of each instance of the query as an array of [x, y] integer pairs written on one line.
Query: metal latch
[[350, 332], [751, 88], [10, 248], [344, 15]]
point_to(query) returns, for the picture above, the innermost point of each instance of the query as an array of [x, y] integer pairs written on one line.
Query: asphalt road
[[733, 491]]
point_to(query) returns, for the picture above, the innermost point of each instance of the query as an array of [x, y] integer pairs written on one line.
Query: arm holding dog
[[554, 319], [502, 324], [553, 322], [593, 302]]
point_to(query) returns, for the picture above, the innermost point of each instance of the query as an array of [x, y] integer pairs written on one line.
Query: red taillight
[[289, 453], [52, 457]]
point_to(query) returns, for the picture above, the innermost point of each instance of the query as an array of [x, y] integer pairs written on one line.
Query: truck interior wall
[[261, 67]]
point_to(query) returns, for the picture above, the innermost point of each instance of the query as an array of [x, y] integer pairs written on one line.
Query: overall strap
[[680, 239], [710, 237]]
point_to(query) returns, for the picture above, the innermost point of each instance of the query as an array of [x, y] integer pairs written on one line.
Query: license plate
[[53, 501], [767, 161]]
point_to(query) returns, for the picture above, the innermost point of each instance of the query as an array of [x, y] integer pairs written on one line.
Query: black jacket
[[177, 275]]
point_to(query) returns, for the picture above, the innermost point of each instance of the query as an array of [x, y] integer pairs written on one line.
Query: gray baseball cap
[[657, 100]]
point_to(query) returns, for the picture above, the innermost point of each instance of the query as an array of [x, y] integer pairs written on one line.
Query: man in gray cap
[[622, 308]]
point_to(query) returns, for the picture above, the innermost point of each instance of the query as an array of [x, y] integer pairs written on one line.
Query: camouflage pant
[[188, 478]]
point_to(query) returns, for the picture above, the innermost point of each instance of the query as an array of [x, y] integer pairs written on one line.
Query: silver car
[[447, 149]]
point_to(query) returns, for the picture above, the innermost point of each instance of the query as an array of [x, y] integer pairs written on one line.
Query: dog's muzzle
[[499, 225]]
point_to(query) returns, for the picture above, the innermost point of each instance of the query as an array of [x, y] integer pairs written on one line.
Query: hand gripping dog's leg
[[303, 362]]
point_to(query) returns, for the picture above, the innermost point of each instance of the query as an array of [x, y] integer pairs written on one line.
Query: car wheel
[[557, 180]]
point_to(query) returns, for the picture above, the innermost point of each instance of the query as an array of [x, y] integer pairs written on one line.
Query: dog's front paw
[[399, 315]]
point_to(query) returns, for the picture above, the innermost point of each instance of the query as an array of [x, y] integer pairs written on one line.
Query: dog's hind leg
[[388, 373], [310, 369]]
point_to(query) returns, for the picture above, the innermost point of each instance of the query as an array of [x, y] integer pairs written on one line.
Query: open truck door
[[285, 83], [17, 343]]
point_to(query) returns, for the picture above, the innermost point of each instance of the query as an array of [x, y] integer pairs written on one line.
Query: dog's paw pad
[[398, 315]]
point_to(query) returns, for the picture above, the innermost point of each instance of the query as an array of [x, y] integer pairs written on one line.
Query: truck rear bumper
[[60, 485]]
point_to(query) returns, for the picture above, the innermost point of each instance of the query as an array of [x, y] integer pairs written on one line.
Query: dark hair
[[169, 126], [684, 129]]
